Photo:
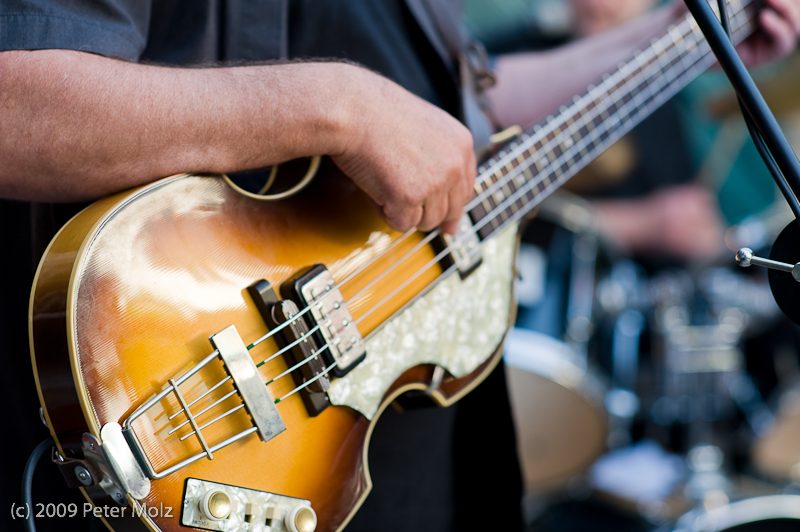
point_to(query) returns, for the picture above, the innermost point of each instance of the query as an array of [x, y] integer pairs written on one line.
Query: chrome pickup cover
[[329, 311]]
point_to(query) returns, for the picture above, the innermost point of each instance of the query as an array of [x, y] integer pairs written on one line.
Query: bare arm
[[79, 126], [531, 85]]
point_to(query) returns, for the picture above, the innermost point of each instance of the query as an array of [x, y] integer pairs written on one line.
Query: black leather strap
[[441, 22]]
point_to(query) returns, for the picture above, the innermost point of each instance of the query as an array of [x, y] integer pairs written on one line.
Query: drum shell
[[558, 410], [776, 454], [775, 513]]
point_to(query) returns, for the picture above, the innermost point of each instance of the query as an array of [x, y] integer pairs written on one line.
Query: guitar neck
[[539, 161]]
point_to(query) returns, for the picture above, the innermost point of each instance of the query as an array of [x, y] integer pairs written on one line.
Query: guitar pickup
[[337, 332], [275, 313]]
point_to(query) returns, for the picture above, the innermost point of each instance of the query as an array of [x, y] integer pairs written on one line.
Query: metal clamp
[[745, 258], [121, 473]]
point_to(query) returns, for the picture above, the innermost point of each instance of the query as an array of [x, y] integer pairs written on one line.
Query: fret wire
[[485, 203], [682, 73], [496, 197], [637, 111], [678, 33]]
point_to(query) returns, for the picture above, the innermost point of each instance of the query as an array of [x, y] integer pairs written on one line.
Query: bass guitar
[[210, 361]]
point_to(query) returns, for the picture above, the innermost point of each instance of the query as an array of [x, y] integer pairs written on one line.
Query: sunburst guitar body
[[131, 289], [210, 361]]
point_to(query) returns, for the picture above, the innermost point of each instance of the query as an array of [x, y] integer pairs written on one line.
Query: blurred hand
[[777, 34], [681, 222], [690, 223]]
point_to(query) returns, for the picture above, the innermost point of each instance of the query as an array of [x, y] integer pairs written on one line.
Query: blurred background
[[655, 385]]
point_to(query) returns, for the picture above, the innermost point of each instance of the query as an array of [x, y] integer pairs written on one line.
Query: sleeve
[[113, 28]]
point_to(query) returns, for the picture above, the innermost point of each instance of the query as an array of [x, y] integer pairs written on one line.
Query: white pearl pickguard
[[457, 325]]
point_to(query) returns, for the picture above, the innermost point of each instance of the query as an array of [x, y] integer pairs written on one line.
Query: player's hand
[[777, 33], [414, 160], [682, 222], [689, 222]]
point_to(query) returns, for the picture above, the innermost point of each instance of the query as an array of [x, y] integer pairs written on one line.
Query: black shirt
[[380, 34]]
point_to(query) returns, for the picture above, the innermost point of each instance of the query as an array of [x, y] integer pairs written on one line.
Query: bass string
[[298, 365], [486, 176], [500, 208]]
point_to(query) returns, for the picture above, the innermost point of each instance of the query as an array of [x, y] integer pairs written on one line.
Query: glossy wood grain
[[131, 289]]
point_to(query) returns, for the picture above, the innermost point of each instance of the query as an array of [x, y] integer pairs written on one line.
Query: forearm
[[532, 85], [77, 126]]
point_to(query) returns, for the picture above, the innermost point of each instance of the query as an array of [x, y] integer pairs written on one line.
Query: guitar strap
[[441, 22]]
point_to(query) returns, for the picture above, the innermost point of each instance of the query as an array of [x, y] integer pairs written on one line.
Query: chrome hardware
[[337, 330], [745, 259], [83, 475], [220, 507], [330, 311], [464, 246], [284, 311], [242, 369], [122, 474], [246, 382]]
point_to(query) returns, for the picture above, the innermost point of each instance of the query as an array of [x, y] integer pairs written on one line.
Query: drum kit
[[669, 393]]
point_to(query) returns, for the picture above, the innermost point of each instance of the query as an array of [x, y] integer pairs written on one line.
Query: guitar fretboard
[[526, 171]]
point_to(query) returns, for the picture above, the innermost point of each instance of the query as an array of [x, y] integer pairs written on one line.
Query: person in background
[[656, 209]]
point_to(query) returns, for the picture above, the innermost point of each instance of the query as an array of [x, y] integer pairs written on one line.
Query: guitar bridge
[[243, 377]]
